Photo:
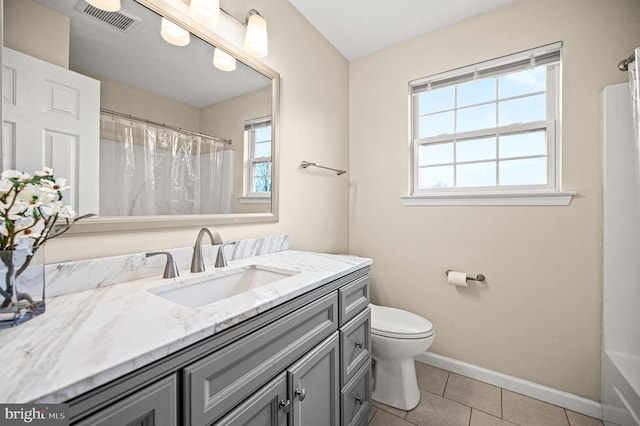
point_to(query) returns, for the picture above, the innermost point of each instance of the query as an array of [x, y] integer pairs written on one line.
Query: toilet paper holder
[[479, 277]]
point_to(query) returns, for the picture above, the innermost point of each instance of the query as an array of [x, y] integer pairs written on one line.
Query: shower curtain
[[150, 170]]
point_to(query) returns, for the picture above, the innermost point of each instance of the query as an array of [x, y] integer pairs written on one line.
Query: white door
[[52, 119]]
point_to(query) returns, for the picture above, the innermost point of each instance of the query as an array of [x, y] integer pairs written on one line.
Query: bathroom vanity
[[294, 352]]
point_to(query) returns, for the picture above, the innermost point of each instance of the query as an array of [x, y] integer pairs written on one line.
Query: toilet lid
[[399, 324]]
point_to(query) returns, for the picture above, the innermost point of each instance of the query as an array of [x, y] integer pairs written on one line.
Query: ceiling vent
[[121, 20]]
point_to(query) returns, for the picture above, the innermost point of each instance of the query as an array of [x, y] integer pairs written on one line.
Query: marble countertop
[[88, 338]]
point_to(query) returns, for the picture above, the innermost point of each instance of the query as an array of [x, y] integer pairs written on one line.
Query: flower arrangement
[[31, 212], [30, 207]]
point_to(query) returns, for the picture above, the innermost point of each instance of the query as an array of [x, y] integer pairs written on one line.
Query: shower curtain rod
[[623, 65], [166, 126]]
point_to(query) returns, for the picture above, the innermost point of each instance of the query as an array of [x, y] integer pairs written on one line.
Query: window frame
[[544, 194], [250, 128]]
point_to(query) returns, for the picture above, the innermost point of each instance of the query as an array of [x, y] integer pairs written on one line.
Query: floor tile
[[527, 411], [372, 413], [475, 394], [480, 418], [391, 410], [435, 410], [577, 419], [431, 378], [382, 418]]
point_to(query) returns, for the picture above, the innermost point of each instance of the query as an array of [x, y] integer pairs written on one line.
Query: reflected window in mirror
[[258, 166]]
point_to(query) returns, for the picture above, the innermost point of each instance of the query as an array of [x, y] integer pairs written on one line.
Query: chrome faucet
[[197, 263]]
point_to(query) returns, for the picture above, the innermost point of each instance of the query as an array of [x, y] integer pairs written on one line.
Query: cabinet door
[[154, 405], [314, 386], [270, 406]]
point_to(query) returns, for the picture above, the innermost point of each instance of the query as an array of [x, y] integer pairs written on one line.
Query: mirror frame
[[126, 223]]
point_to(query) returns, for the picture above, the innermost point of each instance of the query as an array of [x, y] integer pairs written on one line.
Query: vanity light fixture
[[106, 5], [255, 39], [223, 61], [174, 34], [206, 12]]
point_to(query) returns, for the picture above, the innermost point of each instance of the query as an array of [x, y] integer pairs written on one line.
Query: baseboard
[[562, 399]]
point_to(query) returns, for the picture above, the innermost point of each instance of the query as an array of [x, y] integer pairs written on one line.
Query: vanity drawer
[[354, 298], [153, 405], [355, 397], [355, 345], [222, 380]]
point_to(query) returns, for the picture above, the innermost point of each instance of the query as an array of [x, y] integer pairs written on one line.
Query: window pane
[[531, 108], [529, 171], [436, 124], [262, 149], [435, 154], [477, 92], [476, 174], [523, 82], [436, 100], [262, 177], [523, 144], [474, 118], [436, 177], [263, 134], [476, 149]]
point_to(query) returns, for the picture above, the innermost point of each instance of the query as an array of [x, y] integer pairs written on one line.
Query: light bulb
[[255, 39], [174, 34], [206, 12], [107, 5], [223, 61]]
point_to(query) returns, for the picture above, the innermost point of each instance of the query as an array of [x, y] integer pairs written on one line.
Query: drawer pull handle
[[285, 405], [359, 399], [359, 344], [302, 393]]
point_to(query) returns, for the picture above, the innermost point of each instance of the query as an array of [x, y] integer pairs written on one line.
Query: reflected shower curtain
[[150, 170]]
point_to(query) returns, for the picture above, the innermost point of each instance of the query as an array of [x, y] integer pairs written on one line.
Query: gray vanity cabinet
[[306, 362]]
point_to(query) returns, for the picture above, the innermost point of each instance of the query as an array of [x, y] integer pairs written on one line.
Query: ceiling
[[360, 27]]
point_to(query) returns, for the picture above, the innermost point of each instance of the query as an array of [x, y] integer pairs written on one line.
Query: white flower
[[54, 185], [14, 174], [46, 171], [18, 211], [5, 186], [67, 212]]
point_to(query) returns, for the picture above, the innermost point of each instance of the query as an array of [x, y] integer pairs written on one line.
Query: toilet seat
[[399, 324]]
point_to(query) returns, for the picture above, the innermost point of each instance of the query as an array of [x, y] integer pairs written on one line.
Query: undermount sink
[[201, 290]]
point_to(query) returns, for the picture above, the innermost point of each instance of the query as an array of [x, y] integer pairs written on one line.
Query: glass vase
[[21, 286]]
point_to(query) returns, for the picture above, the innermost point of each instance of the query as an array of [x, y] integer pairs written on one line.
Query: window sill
[[541, 198], [255, 200]]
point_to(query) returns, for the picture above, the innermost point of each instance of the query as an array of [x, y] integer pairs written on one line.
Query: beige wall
[[314, 126], [538, 316], [226, 119], [46, 37]]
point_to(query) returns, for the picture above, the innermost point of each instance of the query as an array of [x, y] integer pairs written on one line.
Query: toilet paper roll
[[457, 278]]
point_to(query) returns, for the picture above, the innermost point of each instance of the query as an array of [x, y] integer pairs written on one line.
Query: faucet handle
[[171, 268], [221, 260]]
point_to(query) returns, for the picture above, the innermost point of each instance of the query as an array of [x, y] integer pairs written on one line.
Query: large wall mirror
[[132, 110]]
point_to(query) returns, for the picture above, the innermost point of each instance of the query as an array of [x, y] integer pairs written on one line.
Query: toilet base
[[396, 384]]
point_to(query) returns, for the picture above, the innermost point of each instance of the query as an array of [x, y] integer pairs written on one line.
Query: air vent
[[121, 20]]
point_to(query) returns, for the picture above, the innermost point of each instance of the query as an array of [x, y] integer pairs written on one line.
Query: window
[[258, 140], [489, 128]]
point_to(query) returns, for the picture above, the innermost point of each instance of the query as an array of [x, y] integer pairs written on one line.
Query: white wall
[[538, 317], [314, 126]]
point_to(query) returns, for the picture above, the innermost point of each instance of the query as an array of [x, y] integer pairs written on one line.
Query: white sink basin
[[201, 290]]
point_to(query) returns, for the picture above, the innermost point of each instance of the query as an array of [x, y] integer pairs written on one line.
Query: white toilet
[[397, 336]]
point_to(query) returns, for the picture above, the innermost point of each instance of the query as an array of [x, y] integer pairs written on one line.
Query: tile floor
[[449, 399]]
